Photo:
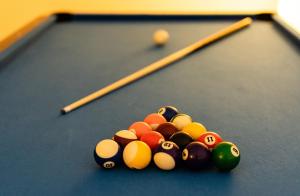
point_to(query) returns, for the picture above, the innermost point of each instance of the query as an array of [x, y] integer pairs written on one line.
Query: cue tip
[[248, 20], [66, 110]]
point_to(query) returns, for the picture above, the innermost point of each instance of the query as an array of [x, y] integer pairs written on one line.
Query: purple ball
[[167, 155], [196, 155]]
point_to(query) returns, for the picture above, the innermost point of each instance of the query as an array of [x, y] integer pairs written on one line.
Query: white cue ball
[[161, 37]]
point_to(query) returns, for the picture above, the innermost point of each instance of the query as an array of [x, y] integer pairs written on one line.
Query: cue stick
[[159, 64]]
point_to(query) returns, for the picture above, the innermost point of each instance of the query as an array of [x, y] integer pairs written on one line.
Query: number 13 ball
[[108, 153], [226, 156]]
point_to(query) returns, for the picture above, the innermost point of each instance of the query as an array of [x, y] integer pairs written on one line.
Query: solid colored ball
[[161, 37], [226, 156], [123, 137], [194, 129], [139, 128], [137, 155], [108, 153], [210, 139], [153, 139], [181, 120], [154, 120], [182, 139], [196, 156], [168, 112], [167, 156], [167, 129]]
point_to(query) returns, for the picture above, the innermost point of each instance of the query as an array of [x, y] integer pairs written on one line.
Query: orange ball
[[140, 128], [154, 120], [153, 139]]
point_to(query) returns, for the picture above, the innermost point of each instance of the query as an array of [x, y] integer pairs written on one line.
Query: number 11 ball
[[210, 139], [226, 156], [108, 153]]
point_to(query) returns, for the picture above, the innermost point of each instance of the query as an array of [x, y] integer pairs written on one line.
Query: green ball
[[226, 156]]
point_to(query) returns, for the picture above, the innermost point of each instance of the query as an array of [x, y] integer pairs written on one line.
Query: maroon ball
[[167, 129], [196, 155]]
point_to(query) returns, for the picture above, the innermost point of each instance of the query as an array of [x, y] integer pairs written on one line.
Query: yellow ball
[[137, 155], [161, 37], [181, 120], [194, 129]]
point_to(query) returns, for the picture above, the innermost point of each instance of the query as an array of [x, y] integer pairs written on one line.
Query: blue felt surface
[[246, 87]]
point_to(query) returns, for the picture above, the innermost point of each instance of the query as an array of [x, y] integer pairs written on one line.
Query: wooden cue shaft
[[159, 64]]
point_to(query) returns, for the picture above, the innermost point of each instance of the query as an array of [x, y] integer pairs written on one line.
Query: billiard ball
[[107, 153], [153, 139], [181, 120], [196, 155], [168, 112], [161, 37], [139, 128], [195, 129], [154, 120], [167, 156], [137, 155], [123, 137], [210, 139], [181, 139], [166, 129], [226, 156]]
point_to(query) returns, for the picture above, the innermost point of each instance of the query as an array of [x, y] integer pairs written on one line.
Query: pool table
[[246, 87]]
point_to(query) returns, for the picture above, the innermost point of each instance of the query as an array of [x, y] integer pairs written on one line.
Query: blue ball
[[108, 153], [168, 112]]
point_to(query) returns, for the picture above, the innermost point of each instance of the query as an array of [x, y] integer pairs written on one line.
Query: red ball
[[153, 139], [210, 139]]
